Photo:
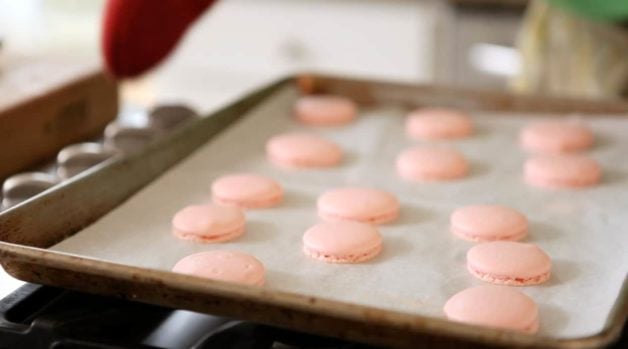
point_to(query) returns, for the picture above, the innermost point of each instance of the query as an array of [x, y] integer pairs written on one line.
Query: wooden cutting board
[[47, 103]]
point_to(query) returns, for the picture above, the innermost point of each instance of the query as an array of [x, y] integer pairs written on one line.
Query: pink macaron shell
[[438, 123], [302, 150], [342, 242], [208, 223], [229, 266], [246, 191], [494, 306], [431, 164], [325, 110], [364, 205], [554, 137], [488, 223], [562, 171], [509, 263]]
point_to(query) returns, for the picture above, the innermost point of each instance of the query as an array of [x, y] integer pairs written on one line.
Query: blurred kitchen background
[[243, 43]]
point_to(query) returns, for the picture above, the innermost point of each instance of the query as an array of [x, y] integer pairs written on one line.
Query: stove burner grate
[[45, 317]]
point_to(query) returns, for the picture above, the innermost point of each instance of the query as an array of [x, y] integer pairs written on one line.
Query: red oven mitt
[[138, 34]]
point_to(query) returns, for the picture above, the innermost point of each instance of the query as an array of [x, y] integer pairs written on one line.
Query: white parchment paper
[[422, 264]]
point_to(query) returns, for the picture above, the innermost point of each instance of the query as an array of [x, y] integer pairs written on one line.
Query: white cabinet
[[240, 43]]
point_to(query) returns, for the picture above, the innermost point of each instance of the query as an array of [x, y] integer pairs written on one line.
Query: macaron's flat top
[[494, 306], [303, 150], [342, 238], [361, 204], [562, 170], [553, 137], [488, 222], [431, 163], [246, 190], [438, 123], [229, 266], [511, 259], [325, 110], [208, 220]]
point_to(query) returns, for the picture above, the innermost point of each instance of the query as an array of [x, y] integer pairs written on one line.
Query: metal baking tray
[[27, 230]]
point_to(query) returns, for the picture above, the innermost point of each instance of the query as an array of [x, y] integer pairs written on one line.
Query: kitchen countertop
[[7, 283]]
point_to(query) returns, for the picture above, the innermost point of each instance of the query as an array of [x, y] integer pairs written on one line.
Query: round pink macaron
[[553, 137], [431, 164], [562, 171], [246, 191], [325, 110], [438, 123], [342, 242], [301, 150], [509, 263], [208, 223], [494, 306], [230, 266], [364, 205], [488, 223]]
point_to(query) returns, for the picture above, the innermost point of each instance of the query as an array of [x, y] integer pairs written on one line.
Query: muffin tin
[[108, 267], [118, 139]]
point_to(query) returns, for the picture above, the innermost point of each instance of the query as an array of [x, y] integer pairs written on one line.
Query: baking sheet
[[422, 264]]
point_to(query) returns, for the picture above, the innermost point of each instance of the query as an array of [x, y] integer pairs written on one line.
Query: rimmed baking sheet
[[422, 263]]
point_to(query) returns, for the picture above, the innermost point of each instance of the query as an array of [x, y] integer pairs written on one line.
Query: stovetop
[[45, 317], [35, 317]]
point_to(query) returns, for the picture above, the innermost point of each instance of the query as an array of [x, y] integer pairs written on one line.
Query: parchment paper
[[422, 264]]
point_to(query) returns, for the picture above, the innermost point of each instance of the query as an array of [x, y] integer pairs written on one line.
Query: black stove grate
[[41, 317], [46, 317]]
